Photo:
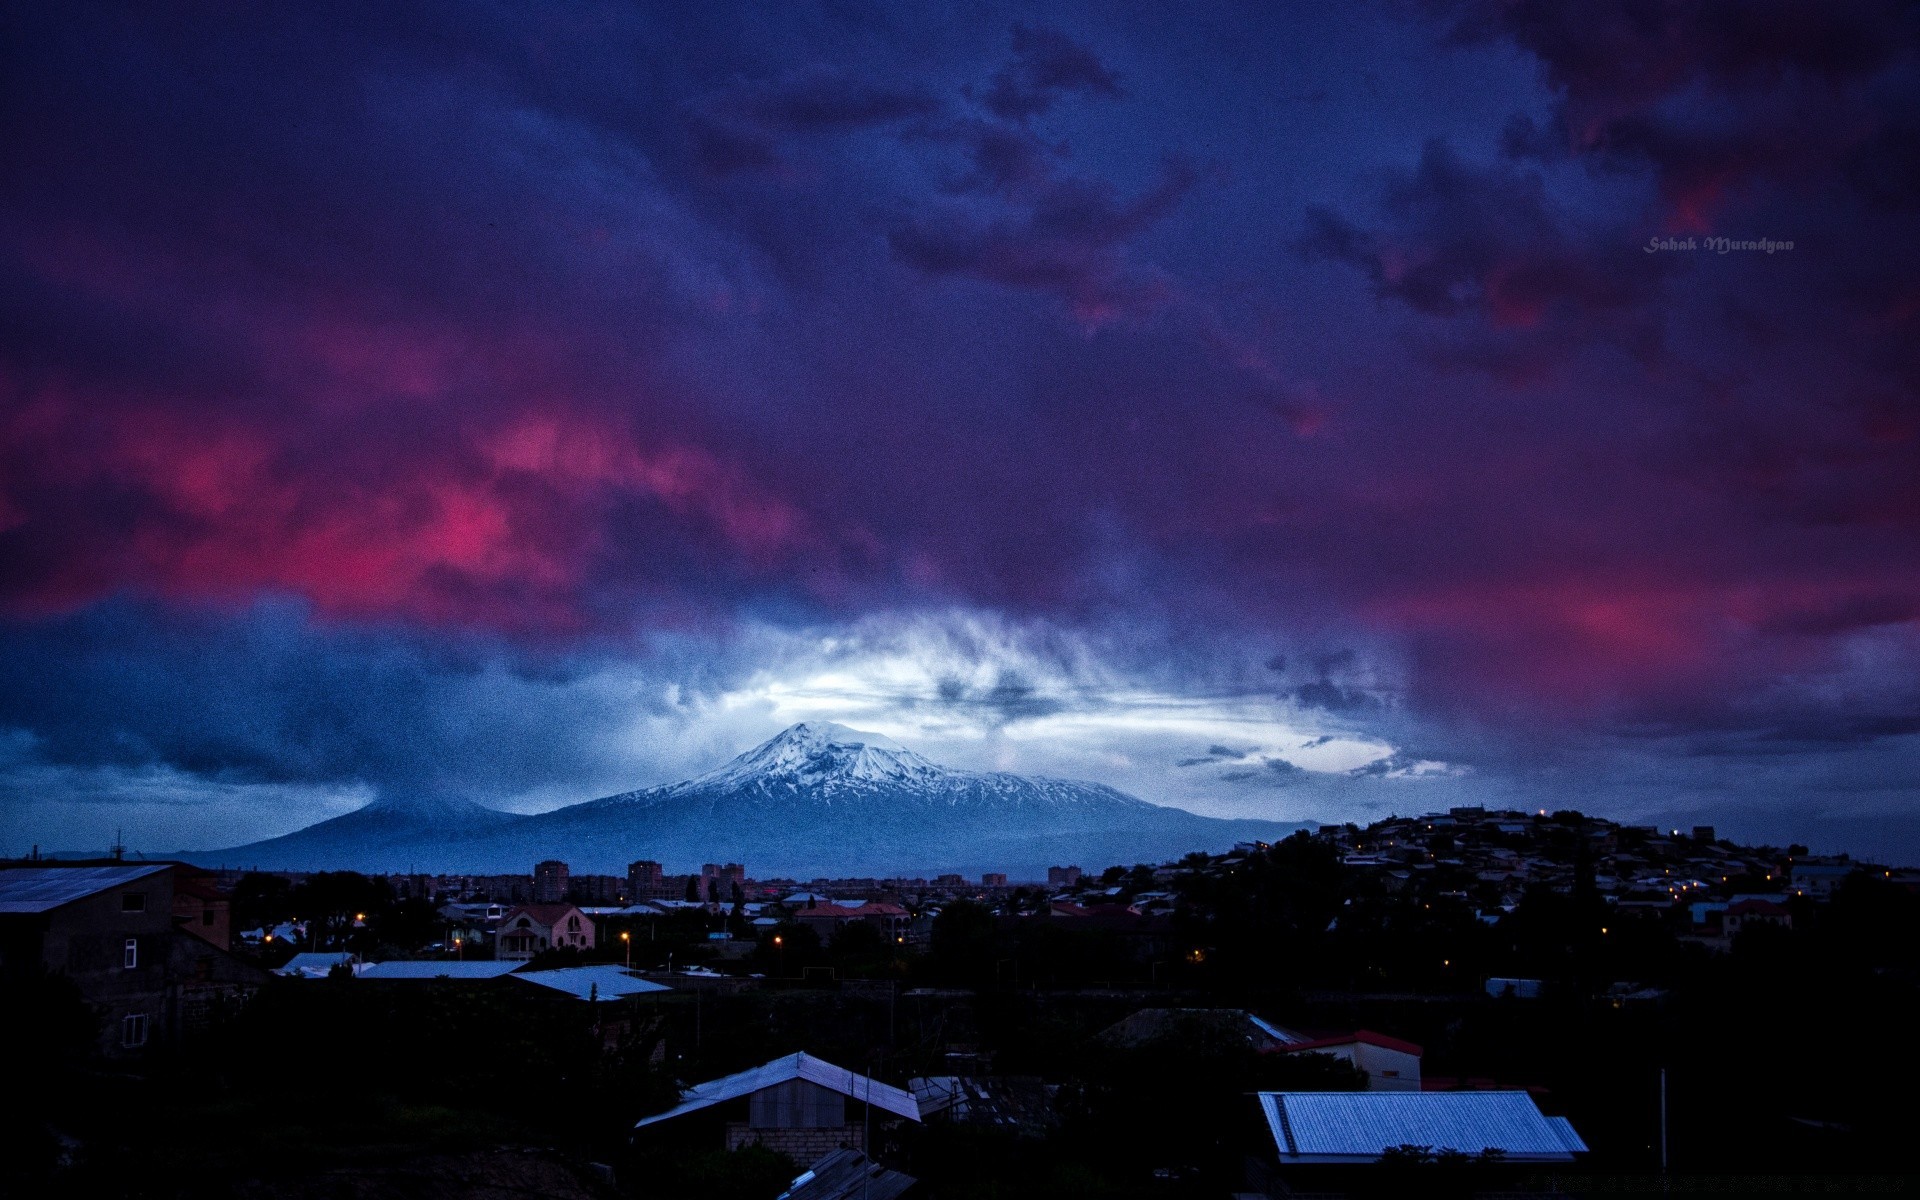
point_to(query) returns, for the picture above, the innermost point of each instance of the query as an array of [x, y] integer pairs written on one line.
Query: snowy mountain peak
[[822, 753]]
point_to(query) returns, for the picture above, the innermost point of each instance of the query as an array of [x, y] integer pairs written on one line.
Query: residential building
[[1063, 876], [1391, 1065], [504, 889], [532, 928], [994, 879], [550, 882], [597, 889], [1817, 879], [828, 919], [799, 1105], [1747, 913], [110, 927], [202, 909], [647, 880]]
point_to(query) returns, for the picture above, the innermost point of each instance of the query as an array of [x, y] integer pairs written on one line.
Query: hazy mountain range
[[817, 799]]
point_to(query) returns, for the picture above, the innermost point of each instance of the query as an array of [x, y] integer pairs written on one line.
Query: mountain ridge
[[815, 799]]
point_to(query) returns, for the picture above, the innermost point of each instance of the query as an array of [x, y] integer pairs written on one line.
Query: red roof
[[1365, 1036], [546, 914], [838, 911]]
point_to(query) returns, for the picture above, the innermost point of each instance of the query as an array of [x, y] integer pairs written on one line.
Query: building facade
[[532, 928]]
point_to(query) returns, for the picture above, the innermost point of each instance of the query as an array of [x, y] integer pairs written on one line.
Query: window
[[573, 922], [132, 957], [206, 916], [133, 1029], [133, 902]]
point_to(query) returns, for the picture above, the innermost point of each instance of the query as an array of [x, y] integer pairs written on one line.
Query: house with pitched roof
[[1390, 1064], [800, 1105], [111, 928], [532, 928]]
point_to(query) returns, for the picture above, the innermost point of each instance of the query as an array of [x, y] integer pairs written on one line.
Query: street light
[[627, 940]]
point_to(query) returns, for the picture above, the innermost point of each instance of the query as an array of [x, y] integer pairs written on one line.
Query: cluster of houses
[[844, 1122], [150, 947], [1712, 887]]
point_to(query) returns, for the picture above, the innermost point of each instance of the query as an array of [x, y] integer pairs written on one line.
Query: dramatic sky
[[1311, 414]]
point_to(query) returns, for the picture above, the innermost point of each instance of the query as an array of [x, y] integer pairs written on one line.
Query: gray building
[[111, 928]]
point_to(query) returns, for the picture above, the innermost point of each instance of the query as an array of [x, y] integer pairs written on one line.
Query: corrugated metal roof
[[40, 889], [1361, 1126], [845, 1174], [780, 1070], [485, 969], [1568, 1137], [596, 982]]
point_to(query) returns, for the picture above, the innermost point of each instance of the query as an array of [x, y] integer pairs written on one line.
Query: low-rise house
[[1817, 879], [110, 928], [1747, 913], [799, 1105], [890, 920], [1152, 1023], [1390, 1064], [202, 909], [532, 928]]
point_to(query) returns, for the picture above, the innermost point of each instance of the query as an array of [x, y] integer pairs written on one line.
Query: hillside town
[[1408, 982]]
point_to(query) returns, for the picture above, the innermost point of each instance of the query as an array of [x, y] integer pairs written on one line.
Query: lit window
[[133, 1029], [132, 956]]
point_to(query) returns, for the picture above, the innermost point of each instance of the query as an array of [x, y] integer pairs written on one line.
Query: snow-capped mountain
[[816, 799]]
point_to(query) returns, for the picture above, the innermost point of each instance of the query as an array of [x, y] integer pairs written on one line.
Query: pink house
[[531, 928]]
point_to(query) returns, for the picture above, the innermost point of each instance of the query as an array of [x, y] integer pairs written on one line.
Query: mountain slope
[[386, 835], [817, 799]]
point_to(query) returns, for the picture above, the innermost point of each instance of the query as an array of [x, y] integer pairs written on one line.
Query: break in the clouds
[[526, 403]]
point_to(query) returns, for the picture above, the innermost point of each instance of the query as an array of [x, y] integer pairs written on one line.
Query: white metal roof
[[40, 889], [781, 1070], [1361, 1126], [603, 982], [483, 969], [310, 964]]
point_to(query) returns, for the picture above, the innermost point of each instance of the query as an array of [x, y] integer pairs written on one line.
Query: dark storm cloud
[[1069, 240], [1214, 754], [1046, 65], [741, 127], [1485, 240], [270, 698], [534, 328], [1271, 772]]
